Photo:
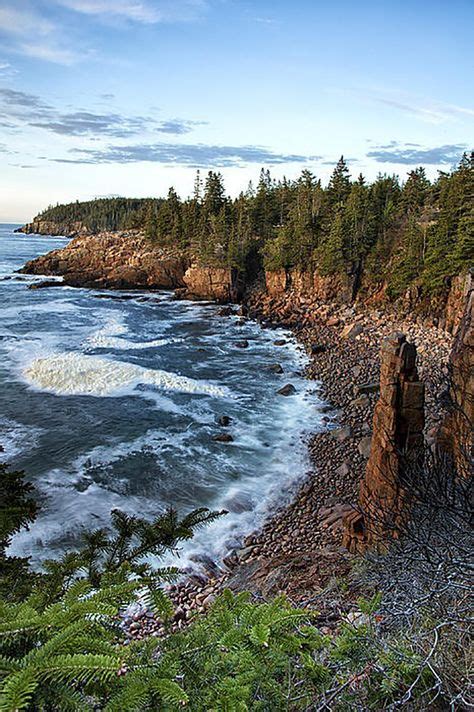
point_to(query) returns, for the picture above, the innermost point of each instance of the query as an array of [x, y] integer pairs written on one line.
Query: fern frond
[[81, 669], [17, 690]]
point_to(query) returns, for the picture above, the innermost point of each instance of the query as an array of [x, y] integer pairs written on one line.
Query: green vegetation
[[103, 213], [62, 644], [415, 232]]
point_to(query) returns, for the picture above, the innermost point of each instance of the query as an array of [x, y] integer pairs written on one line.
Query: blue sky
[[106, 97]]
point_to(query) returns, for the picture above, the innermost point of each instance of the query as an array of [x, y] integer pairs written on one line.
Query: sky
[[129, 97]]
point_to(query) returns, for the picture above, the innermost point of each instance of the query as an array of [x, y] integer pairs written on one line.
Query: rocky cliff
[[113, 260], [456, 434], [217, 284], [44, 227], [339, 289], [127, 260], [397, 440]]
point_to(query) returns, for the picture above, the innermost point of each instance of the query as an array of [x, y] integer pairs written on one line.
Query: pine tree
[[151, 224], [339, 185], [331, 252], [17, 510]]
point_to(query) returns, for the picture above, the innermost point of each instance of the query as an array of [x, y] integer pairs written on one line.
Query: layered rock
[[215, 283], [339, 289], [122, 260], [456, 434], [397, 439], [458, 300], [45, 227]]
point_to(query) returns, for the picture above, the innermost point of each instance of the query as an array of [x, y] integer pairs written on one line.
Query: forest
[[400, 232]]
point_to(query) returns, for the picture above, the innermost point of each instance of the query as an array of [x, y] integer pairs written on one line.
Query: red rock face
[[456, 434], [112, 260], [333, 288], [397, 435], [458, 300], [43, 227], [215, 283]]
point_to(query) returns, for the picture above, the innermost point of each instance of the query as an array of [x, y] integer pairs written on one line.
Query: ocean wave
[[16, 438], [77, 374], [109, 337], [102, 341]]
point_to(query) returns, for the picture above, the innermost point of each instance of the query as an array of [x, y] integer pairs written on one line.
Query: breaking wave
[[77, 374]]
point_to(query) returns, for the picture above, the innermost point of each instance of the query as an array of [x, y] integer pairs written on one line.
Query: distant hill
[[93, 216]]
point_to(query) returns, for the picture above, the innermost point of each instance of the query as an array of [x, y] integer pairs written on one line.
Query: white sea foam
[[102, 341], [108, 337], [16, 438], [76, 374]]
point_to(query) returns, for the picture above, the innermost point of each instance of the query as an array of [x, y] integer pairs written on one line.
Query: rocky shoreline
[[298, 551]]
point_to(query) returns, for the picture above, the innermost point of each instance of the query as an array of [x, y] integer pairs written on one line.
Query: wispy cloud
[[23, 108], [434, 113], [424, 109], [196, 156], [15, 20], [409, 154], [48, 52], [178, 127], [20, 100], [7, 70], [141, 11], [44, 36]]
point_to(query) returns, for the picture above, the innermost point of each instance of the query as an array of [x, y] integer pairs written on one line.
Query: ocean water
[[113, 403]]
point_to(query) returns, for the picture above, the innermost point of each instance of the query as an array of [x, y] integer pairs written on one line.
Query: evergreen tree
[[357, 219], [17, 510], [331, 252], [339, 185]]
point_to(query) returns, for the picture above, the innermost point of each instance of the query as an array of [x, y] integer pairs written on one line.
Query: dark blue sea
[[108, 402]]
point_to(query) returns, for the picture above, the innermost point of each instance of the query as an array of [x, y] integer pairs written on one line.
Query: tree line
[[388, 230]]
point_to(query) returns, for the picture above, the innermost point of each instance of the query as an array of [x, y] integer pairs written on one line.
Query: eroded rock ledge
[[127, 260], [113, 260]]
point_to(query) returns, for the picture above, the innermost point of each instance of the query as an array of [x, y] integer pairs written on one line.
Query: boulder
[[350, 331], [276, 368], [372, 387], [223, 438], [287, 390], [318, 348]]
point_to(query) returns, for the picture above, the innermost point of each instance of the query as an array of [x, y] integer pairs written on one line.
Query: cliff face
[[127, 260], [220, 285], [112, 260], [335, 288], [43, 227], [397, 438], [456, 434]]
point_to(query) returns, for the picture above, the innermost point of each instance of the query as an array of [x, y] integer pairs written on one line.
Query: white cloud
[[48, 52], [146, 12], [14, 21], [19, 24], [427, 110], [6, 70], [431, 113]]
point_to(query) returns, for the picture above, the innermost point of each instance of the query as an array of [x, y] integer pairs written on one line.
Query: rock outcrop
[[44, 227], [396, 440], [456, 433], [215, 283], [122, 260], [339, 289], [457, 302]]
